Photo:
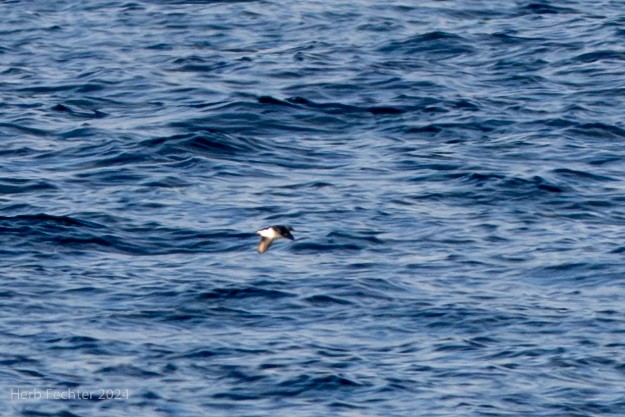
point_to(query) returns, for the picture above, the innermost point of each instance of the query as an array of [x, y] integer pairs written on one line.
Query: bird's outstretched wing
[[264, 244]]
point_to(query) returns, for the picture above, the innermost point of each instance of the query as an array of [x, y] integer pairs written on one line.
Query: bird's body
[[271, 233]]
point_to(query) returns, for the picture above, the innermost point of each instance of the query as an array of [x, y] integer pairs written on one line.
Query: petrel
[[271, 233]]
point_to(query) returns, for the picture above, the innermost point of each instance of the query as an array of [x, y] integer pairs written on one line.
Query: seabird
[[271, 233]]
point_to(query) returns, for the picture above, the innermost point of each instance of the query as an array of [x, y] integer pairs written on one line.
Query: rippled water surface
[[453, 172]]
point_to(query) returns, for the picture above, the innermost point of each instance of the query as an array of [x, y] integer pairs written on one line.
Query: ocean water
[[454, 172]]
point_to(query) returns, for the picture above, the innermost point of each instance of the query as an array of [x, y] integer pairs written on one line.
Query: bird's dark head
[[285, 231]]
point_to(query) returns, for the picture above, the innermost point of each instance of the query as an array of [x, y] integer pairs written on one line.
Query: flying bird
[[271, 233]]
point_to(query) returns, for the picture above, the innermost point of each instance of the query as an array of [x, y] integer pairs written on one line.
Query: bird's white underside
[[268, 233]]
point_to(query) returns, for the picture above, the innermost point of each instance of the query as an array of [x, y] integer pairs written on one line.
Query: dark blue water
[[454, 172]]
